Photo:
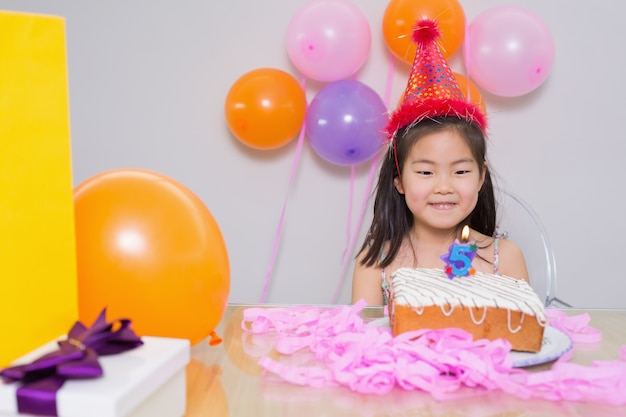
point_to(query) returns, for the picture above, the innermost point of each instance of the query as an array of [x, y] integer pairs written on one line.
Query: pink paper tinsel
[[342, 350]]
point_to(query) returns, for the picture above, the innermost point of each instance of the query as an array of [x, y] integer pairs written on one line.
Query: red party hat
[[432, 89]]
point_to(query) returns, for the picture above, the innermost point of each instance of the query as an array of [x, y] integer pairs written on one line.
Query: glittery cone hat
[[432, 89]]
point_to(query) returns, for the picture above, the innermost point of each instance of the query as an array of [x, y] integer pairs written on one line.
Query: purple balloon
[[345, 122]]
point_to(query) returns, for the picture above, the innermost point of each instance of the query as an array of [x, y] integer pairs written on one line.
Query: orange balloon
[[401, 15], [149, 250], [471, 92], [265, 108]]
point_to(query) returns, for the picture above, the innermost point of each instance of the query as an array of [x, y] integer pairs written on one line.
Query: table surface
[[225, 380]]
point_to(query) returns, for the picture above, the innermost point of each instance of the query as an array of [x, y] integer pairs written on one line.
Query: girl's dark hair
[[392, 219]]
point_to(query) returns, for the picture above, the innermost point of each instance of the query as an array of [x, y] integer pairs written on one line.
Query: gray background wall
[[148, 80]]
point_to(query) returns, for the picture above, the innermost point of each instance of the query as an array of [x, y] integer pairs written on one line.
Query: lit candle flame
[[465, 234]]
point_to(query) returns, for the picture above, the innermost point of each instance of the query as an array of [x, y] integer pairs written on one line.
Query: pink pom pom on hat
[[432, 89]]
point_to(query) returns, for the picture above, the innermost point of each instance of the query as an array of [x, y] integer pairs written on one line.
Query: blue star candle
[[460, 256]]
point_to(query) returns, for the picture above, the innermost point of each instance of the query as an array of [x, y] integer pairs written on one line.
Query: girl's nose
[[443, 185]]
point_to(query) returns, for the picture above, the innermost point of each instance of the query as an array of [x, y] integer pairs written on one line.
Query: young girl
[[443, 184], [433, 181]]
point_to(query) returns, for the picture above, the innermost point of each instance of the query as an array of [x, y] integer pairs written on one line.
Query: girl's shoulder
[[509, 250], [511, 259], [483, 241], [508, 258], [502, 240]]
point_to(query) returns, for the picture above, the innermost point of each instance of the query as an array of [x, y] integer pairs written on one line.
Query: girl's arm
[[366, 283], [512, 262]]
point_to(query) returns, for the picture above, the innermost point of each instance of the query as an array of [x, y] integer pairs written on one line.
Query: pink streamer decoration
[[279, 230], [575, 327], [370, 181], [344, 351]]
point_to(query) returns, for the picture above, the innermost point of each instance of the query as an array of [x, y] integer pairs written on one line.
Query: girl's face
[[440, 180]]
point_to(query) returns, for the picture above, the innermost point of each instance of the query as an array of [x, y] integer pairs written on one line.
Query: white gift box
[[146, 381]]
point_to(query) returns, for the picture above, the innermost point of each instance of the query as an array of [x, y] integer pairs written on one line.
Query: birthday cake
[[486, 305]]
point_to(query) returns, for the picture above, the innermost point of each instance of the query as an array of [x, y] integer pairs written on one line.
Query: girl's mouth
[[443, 206]]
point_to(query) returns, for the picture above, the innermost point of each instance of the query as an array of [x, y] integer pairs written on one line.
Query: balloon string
[[350, 201], [347, 260], [355, 77], [279, 230], [466, 59], [390, 72], [368, 189]]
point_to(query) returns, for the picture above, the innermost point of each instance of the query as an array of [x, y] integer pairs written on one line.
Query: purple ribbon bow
[[76, 358]]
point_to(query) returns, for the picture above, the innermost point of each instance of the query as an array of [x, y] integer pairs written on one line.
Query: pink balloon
[[510, 51], [328, 40]]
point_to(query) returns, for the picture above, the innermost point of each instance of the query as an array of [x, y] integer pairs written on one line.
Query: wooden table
[[225, 380]]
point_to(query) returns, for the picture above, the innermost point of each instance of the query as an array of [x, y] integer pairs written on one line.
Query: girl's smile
[[443, 206]]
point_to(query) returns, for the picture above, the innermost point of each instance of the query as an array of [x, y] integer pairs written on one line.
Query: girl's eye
[[463, 171], [425, 173]]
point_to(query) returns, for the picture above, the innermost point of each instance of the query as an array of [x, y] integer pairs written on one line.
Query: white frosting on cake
[[424, 287]]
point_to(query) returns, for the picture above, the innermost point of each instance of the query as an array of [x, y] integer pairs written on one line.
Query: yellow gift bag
[[38, 296]]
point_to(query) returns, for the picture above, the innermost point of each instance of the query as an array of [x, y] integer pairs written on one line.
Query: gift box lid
[[129, 378]]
